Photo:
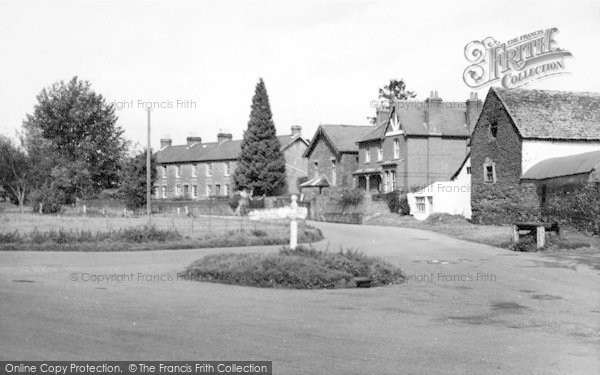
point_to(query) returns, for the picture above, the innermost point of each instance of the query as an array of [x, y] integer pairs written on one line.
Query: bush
[[351, 197], [50, 197], [301, 268]]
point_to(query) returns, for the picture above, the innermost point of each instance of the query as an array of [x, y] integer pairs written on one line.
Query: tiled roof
[[343, 138], [214, 151], [545, 114], [563, 166], [180, 153], [411, 115]]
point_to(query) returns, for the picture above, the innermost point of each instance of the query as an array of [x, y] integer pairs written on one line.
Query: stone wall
[[506, 200]]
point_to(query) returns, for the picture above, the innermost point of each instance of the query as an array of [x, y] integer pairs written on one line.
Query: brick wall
[[323, 153], [507, 200], [201, 180], [296, 165]]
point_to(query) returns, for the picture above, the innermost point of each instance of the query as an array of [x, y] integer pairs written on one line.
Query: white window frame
[[177, 171], [164, 172], [226, 169], [380, 153], [367, 155], [194, 170], [333, 172], [209, 169], [396, 148], [208, 190], [226, 189], [164, 192], [194, 191], [178, 190], [420, 204], [489, 164]]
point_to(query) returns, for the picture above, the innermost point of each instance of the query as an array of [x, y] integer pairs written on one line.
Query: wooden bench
[[540, 229]]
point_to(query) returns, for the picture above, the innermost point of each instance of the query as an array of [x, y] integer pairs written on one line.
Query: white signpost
[[293, 212]]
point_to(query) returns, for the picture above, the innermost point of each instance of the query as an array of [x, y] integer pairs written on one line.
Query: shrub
[[302, 268], [50, 197], [351, 197]]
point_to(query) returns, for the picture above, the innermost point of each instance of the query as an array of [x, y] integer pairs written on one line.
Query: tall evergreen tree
[[261, 166]]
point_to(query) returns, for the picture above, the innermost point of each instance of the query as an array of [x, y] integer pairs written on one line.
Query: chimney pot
[[296, 130], [165, 142], [222, 137], [192, 140]]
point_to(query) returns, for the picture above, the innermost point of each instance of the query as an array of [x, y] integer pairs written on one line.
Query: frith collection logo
[[516, 62]]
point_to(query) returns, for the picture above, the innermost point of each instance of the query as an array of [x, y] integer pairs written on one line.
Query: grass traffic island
[[302, 268], [143, 238]]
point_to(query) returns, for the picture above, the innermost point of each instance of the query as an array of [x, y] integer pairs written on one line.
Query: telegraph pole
[[148, 174]]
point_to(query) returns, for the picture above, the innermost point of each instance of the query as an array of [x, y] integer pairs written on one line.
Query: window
[[164, 172], [227, 169], [367, 156], [194, 170], [489, 172], [217, 189], [333, 173], [178, 171], [379, 153], [468, 170], [209, 170], [226, 189], [396, 149], [178, 190], [208, 190], [494, 128], [164, 192], [393, 180], [194, 191], [420, 204], [186, 190], [157, 192]]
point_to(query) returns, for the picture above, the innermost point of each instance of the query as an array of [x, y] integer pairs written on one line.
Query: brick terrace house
[[517, 129], [415, 143], [333, 155], [200, 170]]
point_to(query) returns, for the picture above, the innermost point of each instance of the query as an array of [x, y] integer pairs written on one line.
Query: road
[[466, 309]]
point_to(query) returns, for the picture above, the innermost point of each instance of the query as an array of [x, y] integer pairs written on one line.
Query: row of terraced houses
[[487, 145]]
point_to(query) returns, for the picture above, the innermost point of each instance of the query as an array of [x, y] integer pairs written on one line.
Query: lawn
[[301, 268], [30, 231], [493, 235]]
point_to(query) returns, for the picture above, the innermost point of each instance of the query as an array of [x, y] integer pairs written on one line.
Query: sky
[[322, 61]]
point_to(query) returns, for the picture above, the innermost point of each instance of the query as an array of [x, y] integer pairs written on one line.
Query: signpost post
[[293, 212]]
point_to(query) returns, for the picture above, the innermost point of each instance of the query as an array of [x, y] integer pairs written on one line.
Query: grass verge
[[142, 238], [302, 268]]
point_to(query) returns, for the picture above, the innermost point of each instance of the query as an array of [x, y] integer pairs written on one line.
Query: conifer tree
[[261, 166]]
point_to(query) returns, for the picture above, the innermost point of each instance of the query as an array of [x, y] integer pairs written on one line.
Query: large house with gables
[[415, 143], [199, 170], [517, 129]]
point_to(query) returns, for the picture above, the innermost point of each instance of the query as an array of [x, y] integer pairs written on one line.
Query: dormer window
[[367, 156], [379, 153], [494, 128]]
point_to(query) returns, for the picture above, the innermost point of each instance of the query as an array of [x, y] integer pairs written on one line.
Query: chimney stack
[[222, 137], [296, 130], [433, 112], [192, 140], [473, 109], [165, 142]]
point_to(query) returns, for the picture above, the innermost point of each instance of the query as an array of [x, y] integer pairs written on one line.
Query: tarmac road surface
[[466, 309]]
